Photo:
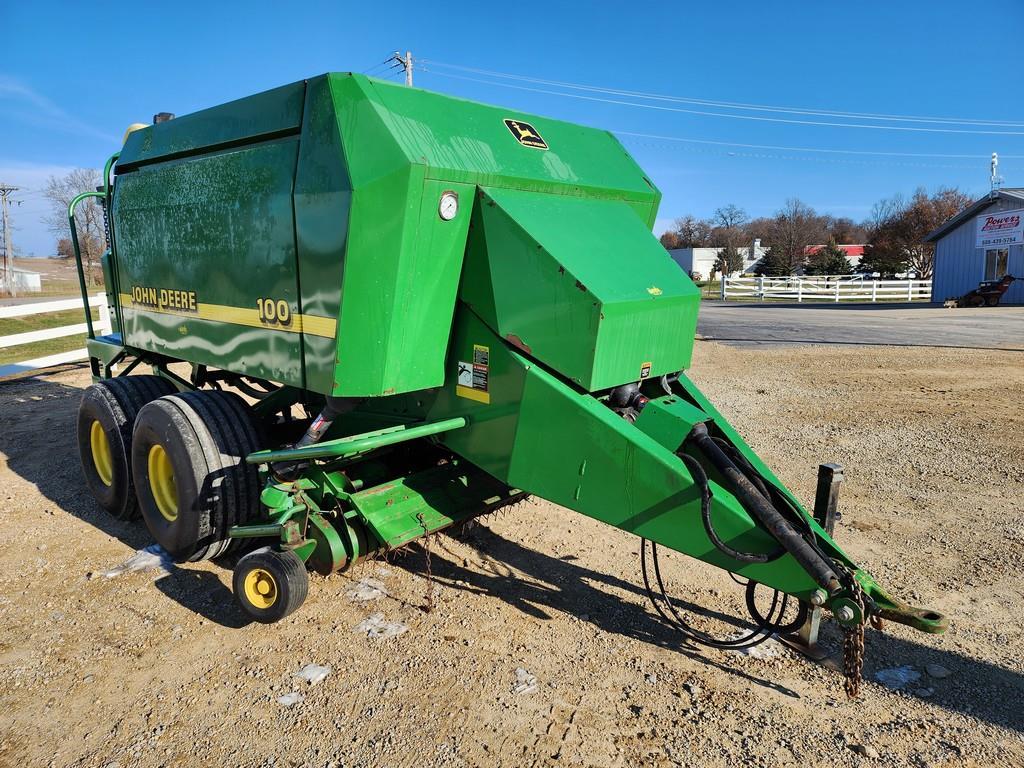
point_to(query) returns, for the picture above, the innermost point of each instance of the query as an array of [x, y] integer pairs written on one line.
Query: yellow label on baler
[[163, 298], [474, 377], [268, 316]]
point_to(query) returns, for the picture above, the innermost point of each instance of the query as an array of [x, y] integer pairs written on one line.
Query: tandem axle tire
[[106, 416], [269, 585], [188, 463]]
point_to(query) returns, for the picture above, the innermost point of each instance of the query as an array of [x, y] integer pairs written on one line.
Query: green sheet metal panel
[[402, 261], [261, 116], [201, 243], [460, 140], [580, 284], [323, 197]]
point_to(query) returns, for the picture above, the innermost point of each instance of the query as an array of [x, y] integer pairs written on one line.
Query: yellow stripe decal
[[480, 395], [312, 325]]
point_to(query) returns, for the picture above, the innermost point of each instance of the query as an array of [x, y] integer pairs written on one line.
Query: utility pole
[[5, 192], [406, 65]]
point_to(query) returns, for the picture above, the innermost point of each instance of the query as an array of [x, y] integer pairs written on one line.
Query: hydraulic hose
[[701, 479], [762, 509]]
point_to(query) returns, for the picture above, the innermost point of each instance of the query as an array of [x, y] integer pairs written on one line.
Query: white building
[[25, 280], [983, 242], [702, 261]]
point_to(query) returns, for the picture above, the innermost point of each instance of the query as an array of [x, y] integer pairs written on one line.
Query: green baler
[[432, 308]]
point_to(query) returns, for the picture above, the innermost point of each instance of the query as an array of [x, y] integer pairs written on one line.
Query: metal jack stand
[[826, 509]]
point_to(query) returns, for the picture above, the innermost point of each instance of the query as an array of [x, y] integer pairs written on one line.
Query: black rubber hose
[[779, 628], [701, 479], [763, 630], [761, 508]]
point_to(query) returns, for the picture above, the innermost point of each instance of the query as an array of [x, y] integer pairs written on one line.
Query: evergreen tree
[[828, 260], [729, 260], [772, 264]]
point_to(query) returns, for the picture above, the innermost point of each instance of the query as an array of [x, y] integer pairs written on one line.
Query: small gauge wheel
[[269, 585]]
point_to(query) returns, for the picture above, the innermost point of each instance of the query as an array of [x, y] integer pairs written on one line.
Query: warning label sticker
[[473, 376]]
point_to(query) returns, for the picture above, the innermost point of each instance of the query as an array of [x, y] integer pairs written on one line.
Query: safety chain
[[853, 639], [430, 576]]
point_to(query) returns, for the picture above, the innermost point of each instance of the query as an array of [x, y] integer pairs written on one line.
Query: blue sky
[[60, 107]]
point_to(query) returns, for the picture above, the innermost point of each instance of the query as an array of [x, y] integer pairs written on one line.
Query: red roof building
[[853, 252]]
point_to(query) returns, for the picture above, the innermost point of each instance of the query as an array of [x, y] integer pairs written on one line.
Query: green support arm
[[105, 196]]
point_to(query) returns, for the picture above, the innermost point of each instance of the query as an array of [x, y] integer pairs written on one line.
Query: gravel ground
[[541, 648]]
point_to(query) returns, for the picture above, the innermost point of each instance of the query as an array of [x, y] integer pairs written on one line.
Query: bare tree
[[88, 214], [730, 217], [691, 232], [899, 226], [729, 232], [844, 230], [795, 228], [669, 240]]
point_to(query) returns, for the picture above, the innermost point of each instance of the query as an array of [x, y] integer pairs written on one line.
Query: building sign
[[1002, 228]]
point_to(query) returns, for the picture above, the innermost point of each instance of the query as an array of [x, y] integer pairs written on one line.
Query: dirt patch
[[541, 648]]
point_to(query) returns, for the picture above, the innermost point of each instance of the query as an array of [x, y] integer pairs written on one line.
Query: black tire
[[195, 444], [113, 404], [992, 301], [277, 584]]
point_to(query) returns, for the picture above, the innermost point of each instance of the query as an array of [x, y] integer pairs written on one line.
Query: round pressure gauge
[[448, 206]]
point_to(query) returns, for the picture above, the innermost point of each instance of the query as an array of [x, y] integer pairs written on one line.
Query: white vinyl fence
[[101, 326], [825, 288]]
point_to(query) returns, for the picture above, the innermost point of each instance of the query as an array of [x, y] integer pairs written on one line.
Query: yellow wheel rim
[[161, 483], [101, 458], [260, 588]]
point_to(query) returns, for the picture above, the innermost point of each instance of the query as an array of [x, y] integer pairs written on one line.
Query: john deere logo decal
[[525, 134]]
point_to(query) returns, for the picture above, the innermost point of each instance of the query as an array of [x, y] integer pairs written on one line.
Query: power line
[[730, 104], [721, 114], [376, 68], [831, 153], [721, 149], [811, 149]]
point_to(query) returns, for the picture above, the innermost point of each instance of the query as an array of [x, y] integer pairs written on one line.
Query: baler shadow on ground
[[560, 585], [58, 478]]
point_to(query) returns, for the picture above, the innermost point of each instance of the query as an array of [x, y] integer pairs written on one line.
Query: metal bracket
[[826, 511]]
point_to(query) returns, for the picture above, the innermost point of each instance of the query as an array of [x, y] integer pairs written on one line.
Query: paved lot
[[921, 325]]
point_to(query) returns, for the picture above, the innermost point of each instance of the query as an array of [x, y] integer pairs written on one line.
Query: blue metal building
[[983, 242]]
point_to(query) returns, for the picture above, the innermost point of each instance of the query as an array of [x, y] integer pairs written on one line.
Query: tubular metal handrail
[[349, 446], [105, 194]]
